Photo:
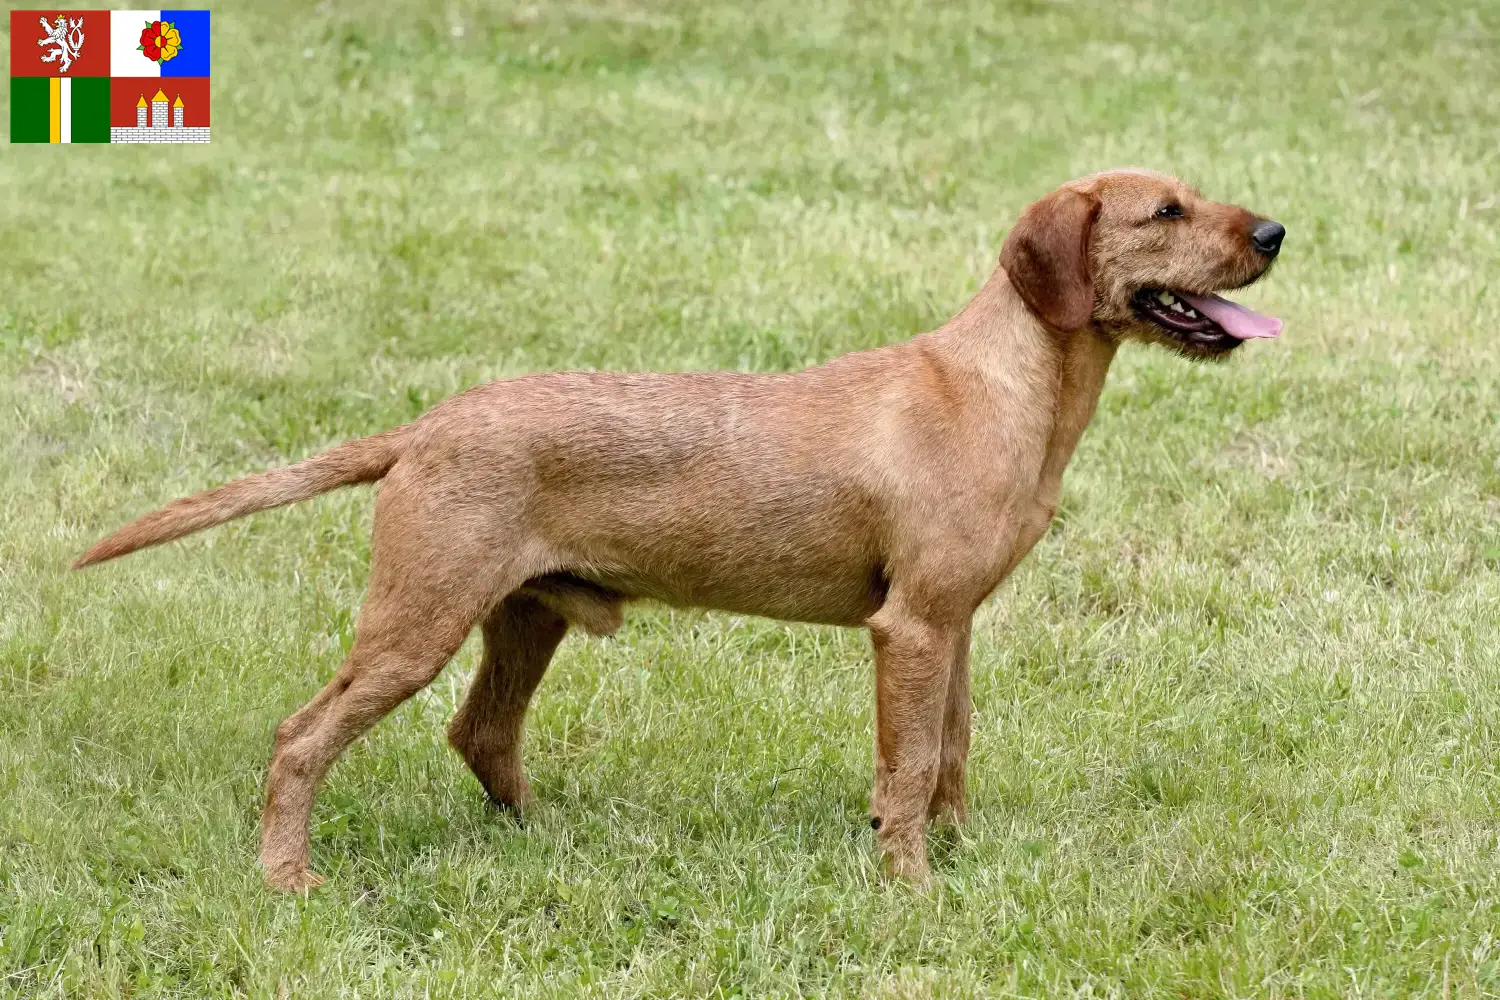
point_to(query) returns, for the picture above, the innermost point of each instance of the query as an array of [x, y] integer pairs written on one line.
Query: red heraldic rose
[[160, 41], [149, 36]]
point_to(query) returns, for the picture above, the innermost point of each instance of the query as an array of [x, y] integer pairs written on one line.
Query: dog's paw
[[510, 793], [292, 878], [906, 859], [511, 809], [914, 872]]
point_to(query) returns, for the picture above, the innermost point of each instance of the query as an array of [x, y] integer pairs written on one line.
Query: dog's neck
[[1029, 367], [997, 337]]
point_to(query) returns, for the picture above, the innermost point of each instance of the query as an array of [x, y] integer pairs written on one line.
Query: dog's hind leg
[[520, 636], [388, 663], [425, 595]]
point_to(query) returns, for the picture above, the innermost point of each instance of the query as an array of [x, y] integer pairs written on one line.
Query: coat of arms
[[66, 38]]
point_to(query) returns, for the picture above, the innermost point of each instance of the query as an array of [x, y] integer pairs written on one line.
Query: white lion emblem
[[66, 35]]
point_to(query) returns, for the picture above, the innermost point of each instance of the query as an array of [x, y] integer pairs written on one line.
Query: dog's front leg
[[948, 800], [914, 660]]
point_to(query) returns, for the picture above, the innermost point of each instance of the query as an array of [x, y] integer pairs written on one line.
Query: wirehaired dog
[[892, 489]]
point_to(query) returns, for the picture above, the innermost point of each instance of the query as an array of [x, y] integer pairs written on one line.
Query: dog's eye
[[1169, 212]]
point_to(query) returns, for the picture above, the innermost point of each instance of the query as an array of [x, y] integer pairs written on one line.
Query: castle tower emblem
[[158, 120]]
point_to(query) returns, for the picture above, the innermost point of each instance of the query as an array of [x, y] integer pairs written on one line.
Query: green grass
[[1236, 717]]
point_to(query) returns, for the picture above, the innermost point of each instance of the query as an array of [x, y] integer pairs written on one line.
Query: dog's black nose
[[1267, 237]]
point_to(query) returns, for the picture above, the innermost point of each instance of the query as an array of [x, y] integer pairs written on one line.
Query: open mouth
[[1210, 322]]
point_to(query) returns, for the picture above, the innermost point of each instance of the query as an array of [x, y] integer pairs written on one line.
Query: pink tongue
[[1236, 320]]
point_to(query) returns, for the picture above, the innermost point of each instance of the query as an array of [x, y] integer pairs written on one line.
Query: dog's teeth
[[1165, 298], [1177, 307], [1191, 314]]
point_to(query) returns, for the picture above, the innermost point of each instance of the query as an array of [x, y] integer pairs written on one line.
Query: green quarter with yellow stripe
[[59, 109]]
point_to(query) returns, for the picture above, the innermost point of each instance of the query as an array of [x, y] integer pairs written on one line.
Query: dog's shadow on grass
[[752, 821]]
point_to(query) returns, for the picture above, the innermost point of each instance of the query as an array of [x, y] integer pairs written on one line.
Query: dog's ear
[[1046, 256]]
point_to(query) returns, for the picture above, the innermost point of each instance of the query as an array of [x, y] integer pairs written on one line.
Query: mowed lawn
[[1236, 717]]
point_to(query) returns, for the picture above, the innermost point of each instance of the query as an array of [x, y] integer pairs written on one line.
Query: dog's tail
[[362, 461]]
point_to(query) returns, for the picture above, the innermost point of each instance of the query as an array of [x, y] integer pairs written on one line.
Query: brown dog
[[892, 488]]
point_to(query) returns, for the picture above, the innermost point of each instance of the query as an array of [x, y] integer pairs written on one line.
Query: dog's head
[[1141, 255]]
